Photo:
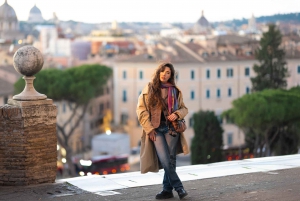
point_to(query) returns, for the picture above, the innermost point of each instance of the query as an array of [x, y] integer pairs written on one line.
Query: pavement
[[269, 178]]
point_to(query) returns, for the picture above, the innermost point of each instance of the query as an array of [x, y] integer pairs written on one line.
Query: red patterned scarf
[[172, 97]]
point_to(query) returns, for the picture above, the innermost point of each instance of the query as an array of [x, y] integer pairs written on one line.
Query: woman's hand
[[152, 135], [172, 117]]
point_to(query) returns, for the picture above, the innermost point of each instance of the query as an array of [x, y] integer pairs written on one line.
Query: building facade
[[208, 85]]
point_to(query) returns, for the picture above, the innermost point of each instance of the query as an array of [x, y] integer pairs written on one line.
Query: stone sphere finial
[[28, 61]]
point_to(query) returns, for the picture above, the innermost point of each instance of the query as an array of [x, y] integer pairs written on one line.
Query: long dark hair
[[154, 88]]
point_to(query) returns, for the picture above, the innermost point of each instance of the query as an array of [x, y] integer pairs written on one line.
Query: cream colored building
[[210, 84]]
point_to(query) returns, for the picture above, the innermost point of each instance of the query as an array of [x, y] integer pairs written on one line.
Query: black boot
[[164, 195], [182, 193]]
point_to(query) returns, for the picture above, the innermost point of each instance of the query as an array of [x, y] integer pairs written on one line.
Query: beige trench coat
[[149, 160]]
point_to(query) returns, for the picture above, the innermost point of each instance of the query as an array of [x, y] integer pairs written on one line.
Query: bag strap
[[164, 104]]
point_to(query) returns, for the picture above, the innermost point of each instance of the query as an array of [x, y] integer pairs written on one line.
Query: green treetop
[[271, 72], [207, 142]]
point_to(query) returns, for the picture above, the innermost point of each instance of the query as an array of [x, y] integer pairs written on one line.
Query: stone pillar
[[28, 141]]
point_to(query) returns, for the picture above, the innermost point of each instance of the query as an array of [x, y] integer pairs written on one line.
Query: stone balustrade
[[28, 141]]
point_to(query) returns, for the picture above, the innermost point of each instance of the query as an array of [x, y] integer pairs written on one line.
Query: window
[[218, 93], [107, 90], [219, 73], [207, 93], [107, 105], [124, 118], [229, 92], [91, 110], [192, 95], [141, 75], [207, 74], [176, 76], [124, 96], [124, 74], [247, 90], [220, 119], [101, 108], [192, 74], [229, 72], [229, 139], [204, 54], [91, 125], [191, 122], [247, 71], [299, 69]]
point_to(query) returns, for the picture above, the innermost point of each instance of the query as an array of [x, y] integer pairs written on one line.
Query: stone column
[[28, 142]]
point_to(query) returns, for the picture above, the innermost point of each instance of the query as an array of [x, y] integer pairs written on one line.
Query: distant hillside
[[290, 17]]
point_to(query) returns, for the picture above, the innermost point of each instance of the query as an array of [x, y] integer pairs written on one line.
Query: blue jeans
[[165, 146]]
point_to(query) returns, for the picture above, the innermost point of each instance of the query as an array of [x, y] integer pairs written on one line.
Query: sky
[[165, 11]]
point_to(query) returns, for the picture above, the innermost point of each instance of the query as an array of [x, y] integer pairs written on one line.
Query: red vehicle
[[102, 165]]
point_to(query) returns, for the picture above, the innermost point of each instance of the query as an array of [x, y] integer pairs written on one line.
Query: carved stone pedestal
[[28, 142]]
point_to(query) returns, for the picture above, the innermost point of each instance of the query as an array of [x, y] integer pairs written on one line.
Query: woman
[[160, 143]]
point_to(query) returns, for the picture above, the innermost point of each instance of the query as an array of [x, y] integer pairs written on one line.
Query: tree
[[263, 116], [288, 139], [77, 86], [208, 140], [271, 72]]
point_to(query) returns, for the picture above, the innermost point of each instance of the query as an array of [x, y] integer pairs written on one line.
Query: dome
[[35, 15], [203, 21], [35, 10], [7, 13]]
